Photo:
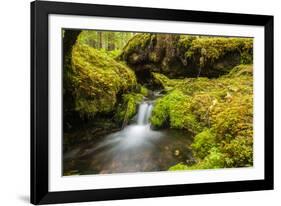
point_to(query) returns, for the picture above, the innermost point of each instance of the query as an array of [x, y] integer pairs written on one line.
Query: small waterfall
[[144, 113]]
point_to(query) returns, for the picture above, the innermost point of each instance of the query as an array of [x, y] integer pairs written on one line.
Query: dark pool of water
[[136, 148]]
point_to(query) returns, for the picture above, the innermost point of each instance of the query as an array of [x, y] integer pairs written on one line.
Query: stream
[[135, 148]]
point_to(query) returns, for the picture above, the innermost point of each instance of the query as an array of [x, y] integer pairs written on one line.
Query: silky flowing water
[[135, 148]]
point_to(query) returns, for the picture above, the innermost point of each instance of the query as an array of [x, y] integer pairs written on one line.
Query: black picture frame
[[39, 102]]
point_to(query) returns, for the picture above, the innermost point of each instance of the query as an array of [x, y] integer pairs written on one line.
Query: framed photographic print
[[133, 102]]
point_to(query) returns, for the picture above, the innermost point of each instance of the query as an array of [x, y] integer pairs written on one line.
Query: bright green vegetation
[[143, 91], [107, 41], [173, 110], [212, 49], [218, 111], [97, 80]]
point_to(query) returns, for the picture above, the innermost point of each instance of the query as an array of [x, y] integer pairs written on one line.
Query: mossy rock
[[218, 111], [215, 160], [179, 56], [173, 110], [97, 80]]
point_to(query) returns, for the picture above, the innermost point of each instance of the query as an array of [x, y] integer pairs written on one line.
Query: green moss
[[203, 142], [97, 79], [174, 110], [163, 109], [138, 42], [160, 114], [214, 160], [185, 41], [220, 113], [239, 152], [233, 118], [112, 54], [179, 166], [144, 91], [213, 48], [127, 109]]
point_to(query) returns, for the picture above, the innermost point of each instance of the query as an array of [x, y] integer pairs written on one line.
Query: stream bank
[[135, 148]]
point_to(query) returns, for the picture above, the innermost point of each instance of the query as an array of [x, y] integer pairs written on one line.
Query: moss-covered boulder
[[173, 110], [180, 56], [97, 81], [215, 56], [218, 111]]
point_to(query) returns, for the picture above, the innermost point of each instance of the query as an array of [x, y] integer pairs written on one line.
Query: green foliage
[[144, 91], [213, 48], [89, 37], [106, 40], [97, 79], [219, 111], [234, 118], [215, 159], [185, 41], [160, 114], [113, 54], [127, 109], [203, 143], [139, 41], [179, 166], [239, 152], [161, 79], [174, 110]]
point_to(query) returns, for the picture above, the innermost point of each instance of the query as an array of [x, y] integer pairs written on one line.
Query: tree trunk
[[100, 39], [69, 39], [111, 43]]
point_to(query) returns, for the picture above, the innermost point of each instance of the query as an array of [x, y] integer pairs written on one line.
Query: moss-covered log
[[179, 56]]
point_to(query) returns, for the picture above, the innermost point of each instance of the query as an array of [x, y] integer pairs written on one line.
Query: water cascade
[[136, 147], [144, 113]]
